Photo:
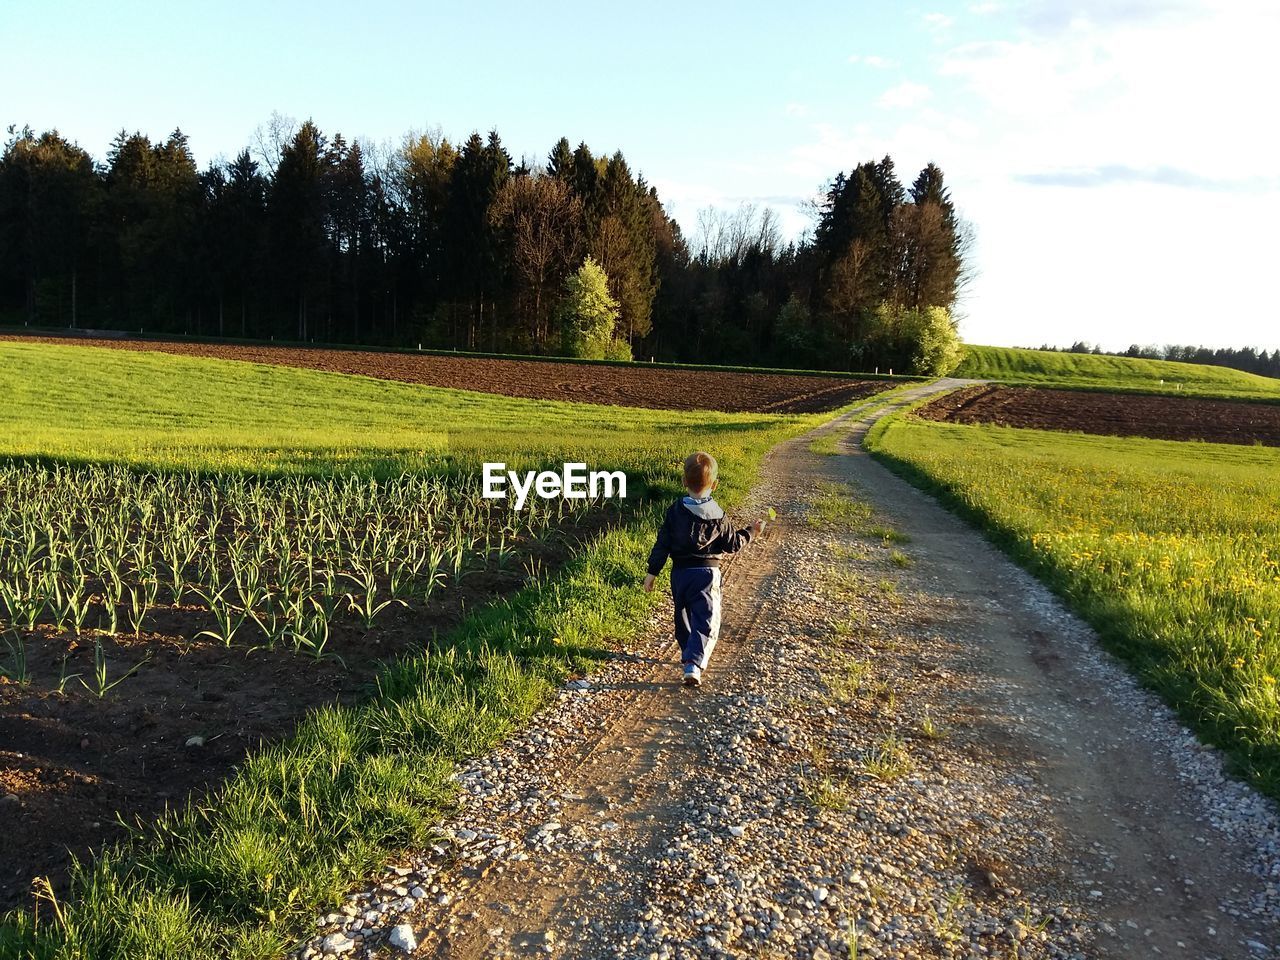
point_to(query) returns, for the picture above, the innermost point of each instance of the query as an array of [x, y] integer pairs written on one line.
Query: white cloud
[[871, 60], [904, 96], [797, 110], [1054, 15], [984, 9], [1118, 265], [1099, 156], [938, 21], [1126, 94], [1117, 173], [683, 199]]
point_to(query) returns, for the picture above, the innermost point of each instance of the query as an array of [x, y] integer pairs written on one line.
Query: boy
[[695, 534]]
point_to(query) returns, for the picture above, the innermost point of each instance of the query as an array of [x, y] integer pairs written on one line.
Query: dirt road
[[905, 748]]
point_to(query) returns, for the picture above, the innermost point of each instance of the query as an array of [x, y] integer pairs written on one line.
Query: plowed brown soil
[[1111, 414], [652, 387]]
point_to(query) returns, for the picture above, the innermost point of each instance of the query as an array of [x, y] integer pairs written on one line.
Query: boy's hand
[[757, 526], [649, 580]]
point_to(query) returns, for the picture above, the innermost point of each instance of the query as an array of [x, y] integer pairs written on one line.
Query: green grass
[[845, 679], [77, 403], [826, 445], [836, 506], [1046, 368], [1171, 550], [930, 729], [826, 792], [242, 872], [887, 760]]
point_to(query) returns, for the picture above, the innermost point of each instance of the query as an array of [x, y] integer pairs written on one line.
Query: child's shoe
[[692, 675]]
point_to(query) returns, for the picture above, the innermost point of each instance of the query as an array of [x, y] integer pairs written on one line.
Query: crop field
[[1047, 368], [257, 613], [1111, 414], [1171, 550], [651, 387], [123, 594]]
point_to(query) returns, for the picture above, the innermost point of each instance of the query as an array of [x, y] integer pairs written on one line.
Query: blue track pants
[[696, 594]]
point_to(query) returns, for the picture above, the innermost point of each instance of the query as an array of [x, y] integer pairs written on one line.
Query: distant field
[[1047, 368], [656, 387], [153, 409], [1112, 414], [1171, 550]]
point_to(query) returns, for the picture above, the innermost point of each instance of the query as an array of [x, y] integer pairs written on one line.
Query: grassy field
[[20, 330], [241, 873], [1046, 368], [74, 403], [1171, 550]]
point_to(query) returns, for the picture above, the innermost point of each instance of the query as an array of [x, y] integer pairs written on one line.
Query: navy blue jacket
[[695, 535]]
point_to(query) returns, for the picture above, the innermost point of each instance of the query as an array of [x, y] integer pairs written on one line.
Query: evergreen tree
[[888, 188], [296, 212], [673, 269], [477, 176], [235, 241], [927, 245], [346, 206], [929, 187], [621, 240], [560, 161], [153, 199], [853, 243], [586, 179], [49, 199], [418, 193], [176, 262]]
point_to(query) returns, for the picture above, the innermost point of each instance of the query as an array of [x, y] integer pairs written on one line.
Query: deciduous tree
[[588, 313], [540, 221]]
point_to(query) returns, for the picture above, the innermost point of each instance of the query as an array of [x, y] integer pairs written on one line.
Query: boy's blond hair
[[700, 470]]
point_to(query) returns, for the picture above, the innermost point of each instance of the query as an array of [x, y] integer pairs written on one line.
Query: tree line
[[1248, 359], [310, 237]]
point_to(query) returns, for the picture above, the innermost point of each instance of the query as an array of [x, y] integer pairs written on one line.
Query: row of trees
[[311, 237], [1248, 359]]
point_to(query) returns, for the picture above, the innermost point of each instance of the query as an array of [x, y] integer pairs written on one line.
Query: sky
[[1115, 158]]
